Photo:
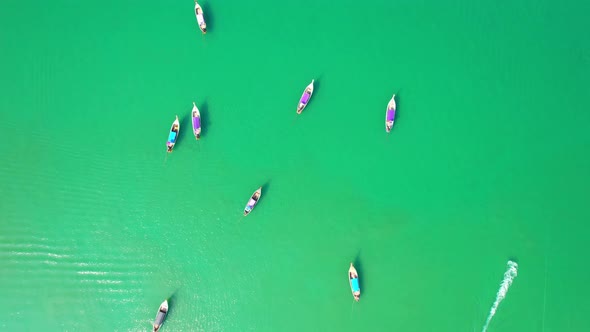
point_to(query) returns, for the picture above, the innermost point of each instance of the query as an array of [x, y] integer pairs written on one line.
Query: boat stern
[[357, 296], [388, 126]]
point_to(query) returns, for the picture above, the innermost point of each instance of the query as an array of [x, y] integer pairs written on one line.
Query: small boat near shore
[[160, 316], [390, 114], [200, 17], [173, 136], [353, 279], [253, 201], [305, 97], [196, 121]]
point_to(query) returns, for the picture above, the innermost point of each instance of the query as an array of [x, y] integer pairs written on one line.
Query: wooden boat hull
[[390, 114], [200, 18], [173, 136], [160, 316], [305, 97], [253, 201], [196, 115], [353, 280]]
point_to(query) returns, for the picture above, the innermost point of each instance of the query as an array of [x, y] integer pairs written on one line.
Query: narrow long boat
[[253, 201], [200, 17], [160, 316], [173, 136], [353, 279], [305, 97], [390, 114], [196, 121]]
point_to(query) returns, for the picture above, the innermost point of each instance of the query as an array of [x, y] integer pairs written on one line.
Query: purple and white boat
[[305, 97], [196, 121], [390, 114]]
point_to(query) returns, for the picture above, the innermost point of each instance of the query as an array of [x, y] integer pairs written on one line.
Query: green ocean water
[[488, 161]]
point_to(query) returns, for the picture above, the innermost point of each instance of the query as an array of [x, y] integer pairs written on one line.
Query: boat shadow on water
[[209, 17], [185, 126], [317, 83], [265, 188], [171, 300], [203, 110], [398, 104]]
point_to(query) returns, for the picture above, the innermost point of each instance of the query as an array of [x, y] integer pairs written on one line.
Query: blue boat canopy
[[355, 285], [172, 136]]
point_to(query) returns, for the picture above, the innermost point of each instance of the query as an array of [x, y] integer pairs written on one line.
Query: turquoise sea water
[[488, 161]]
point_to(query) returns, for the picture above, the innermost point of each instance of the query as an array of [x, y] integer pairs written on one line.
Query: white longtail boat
[[200, 17], [253, 201]]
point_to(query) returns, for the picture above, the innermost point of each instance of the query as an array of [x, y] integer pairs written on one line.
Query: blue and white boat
[[353, 279], [173, 136]]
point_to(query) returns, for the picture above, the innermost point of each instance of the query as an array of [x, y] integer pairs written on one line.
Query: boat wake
[[509, 276]]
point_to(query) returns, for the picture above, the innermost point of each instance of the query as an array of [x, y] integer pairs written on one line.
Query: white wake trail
[[509, 276]]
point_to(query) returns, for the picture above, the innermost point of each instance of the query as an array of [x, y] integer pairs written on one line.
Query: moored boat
[[173, 136], [305, 97], [353, 279], [196, 121], [160, 316], [253, 201], [390, 114], [200, 17]]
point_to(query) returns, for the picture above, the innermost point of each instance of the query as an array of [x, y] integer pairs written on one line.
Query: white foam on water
[[92, 272], [37, 254], [26, 245], [509, 276], [47, 262], [108, 281]]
